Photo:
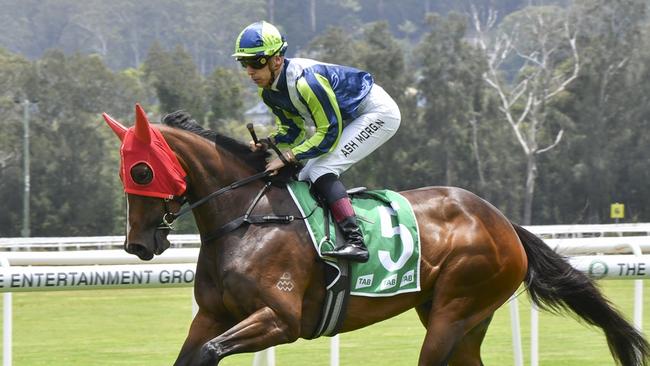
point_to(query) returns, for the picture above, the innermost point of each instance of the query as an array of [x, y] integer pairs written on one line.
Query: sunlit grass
[[147, 327]]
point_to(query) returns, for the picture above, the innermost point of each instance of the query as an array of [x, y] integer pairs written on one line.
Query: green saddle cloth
[[391, 234]]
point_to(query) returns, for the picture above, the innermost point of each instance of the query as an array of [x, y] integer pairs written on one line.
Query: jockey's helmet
[[260, 39]]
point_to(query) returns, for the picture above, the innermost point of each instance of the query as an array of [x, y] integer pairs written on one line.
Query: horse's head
[[154, 182]]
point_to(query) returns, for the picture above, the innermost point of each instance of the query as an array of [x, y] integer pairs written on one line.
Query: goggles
[[254, 62]]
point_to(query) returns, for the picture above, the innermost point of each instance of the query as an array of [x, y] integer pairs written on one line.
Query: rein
[[183, 211], [247, 218], [169, 217]]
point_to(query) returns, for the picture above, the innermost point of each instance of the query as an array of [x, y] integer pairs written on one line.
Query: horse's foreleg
[[261, 330], [203, 328]]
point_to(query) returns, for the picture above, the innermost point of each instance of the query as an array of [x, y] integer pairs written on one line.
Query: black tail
[[554, 285]]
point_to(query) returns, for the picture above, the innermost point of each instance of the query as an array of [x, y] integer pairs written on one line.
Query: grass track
[[147, 327]]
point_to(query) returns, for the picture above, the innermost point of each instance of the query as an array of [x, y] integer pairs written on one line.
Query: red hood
[[143, 143], [168, 175]]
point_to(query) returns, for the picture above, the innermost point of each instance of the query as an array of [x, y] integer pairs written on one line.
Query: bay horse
[[473, 260]]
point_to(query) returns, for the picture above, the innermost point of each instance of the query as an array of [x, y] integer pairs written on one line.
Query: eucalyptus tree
[[12, 71], [541, 44], [225, 90], [73, 182], [451, 92], [176, 80], [608, 103]]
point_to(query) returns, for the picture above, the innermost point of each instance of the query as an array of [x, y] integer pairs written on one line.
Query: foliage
[[169, 55], [225, 93], [176, 80]]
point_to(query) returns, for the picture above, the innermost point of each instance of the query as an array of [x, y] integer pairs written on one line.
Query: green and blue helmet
[[260, 39]]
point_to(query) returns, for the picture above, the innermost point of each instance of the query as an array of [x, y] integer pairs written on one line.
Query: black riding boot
[[331, 188], [354, 248]]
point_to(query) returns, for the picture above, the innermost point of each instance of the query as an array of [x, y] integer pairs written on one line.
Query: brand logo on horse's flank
[[285, 283]]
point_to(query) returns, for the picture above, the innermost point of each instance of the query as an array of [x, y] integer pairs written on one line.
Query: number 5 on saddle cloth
[[391, 234]]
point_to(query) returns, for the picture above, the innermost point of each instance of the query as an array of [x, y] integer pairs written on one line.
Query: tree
[[335, 46], [381, 54], [74, 157], [447, 87], [225, 93], [176, 80], [606, 102], [537, 39]]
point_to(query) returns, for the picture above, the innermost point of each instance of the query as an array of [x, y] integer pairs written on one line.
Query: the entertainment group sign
[[52, 278], [613, 266]]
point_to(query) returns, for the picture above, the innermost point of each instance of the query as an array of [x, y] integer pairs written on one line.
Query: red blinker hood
[[143, 143]]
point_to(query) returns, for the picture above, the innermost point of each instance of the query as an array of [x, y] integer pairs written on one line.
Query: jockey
[[352, 116]]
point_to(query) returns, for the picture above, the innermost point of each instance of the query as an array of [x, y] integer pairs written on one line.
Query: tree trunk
[[531, 175], [270, 5], [312, 15], [479, 163]]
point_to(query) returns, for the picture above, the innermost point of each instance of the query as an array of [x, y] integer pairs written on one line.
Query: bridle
[[168, 218]]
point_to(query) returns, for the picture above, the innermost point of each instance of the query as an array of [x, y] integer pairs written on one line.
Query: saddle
[[390, 230]]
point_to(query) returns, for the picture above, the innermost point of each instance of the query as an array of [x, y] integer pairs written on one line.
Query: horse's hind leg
[[467, 351]]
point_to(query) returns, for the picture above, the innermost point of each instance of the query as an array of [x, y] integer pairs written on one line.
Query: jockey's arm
[[319, 98], [290, 130]]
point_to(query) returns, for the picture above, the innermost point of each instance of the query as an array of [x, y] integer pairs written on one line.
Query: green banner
[[390, 232]]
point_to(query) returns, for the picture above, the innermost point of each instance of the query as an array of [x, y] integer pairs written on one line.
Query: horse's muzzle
[[146, 249], [138, 249]]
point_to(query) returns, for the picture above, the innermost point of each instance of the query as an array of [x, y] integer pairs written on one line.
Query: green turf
[[147, 327]]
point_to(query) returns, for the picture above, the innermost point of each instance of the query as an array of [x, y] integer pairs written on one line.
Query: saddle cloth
[[390, 231]]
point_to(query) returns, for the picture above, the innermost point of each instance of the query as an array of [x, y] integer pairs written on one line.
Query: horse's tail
[[554, 285]]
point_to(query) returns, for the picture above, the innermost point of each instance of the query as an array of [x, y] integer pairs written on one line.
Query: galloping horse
[[473, 258]]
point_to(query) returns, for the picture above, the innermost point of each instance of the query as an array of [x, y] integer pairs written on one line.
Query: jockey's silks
[[168, 175]]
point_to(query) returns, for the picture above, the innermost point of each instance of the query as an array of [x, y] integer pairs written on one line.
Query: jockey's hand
[[257, 146], [277, 163]]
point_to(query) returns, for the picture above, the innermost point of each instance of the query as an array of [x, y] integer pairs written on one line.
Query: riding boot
[[354, 248]]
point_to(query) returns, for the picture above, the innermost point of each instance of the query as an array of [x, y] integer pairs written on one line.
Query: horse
[[473, 260]]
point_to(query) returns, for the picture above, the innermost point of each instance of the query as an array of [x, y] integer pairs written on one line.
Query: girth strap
[[247, 218], [240, 221]]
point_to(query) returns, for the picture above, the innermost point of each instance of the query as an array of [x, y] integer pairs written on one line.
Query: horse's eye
[[142, 173]]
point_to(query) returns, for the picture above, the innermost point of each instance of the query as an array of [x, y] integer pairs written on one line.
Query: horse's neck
[[209, 170]]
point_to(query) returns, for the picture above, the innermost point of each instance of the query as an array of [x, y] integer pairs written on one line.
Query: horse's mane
[[183, 120]]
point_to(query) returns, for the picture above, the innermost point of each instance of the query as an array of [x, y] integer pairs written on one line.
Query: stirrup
[[351, 252]]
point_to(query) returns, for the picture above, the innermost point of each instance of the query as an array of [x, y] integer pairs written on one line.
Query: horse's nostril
[[139, 250], [132, 248]]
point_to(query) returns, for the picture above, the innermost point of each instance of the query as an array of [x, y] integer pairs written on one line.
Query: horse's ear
[[141, 125], [117, 127]]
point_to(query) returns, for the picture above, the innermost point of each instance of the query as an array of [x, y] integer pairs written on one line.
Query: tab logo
[[364, 281], [408, 277], [389, 282]]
